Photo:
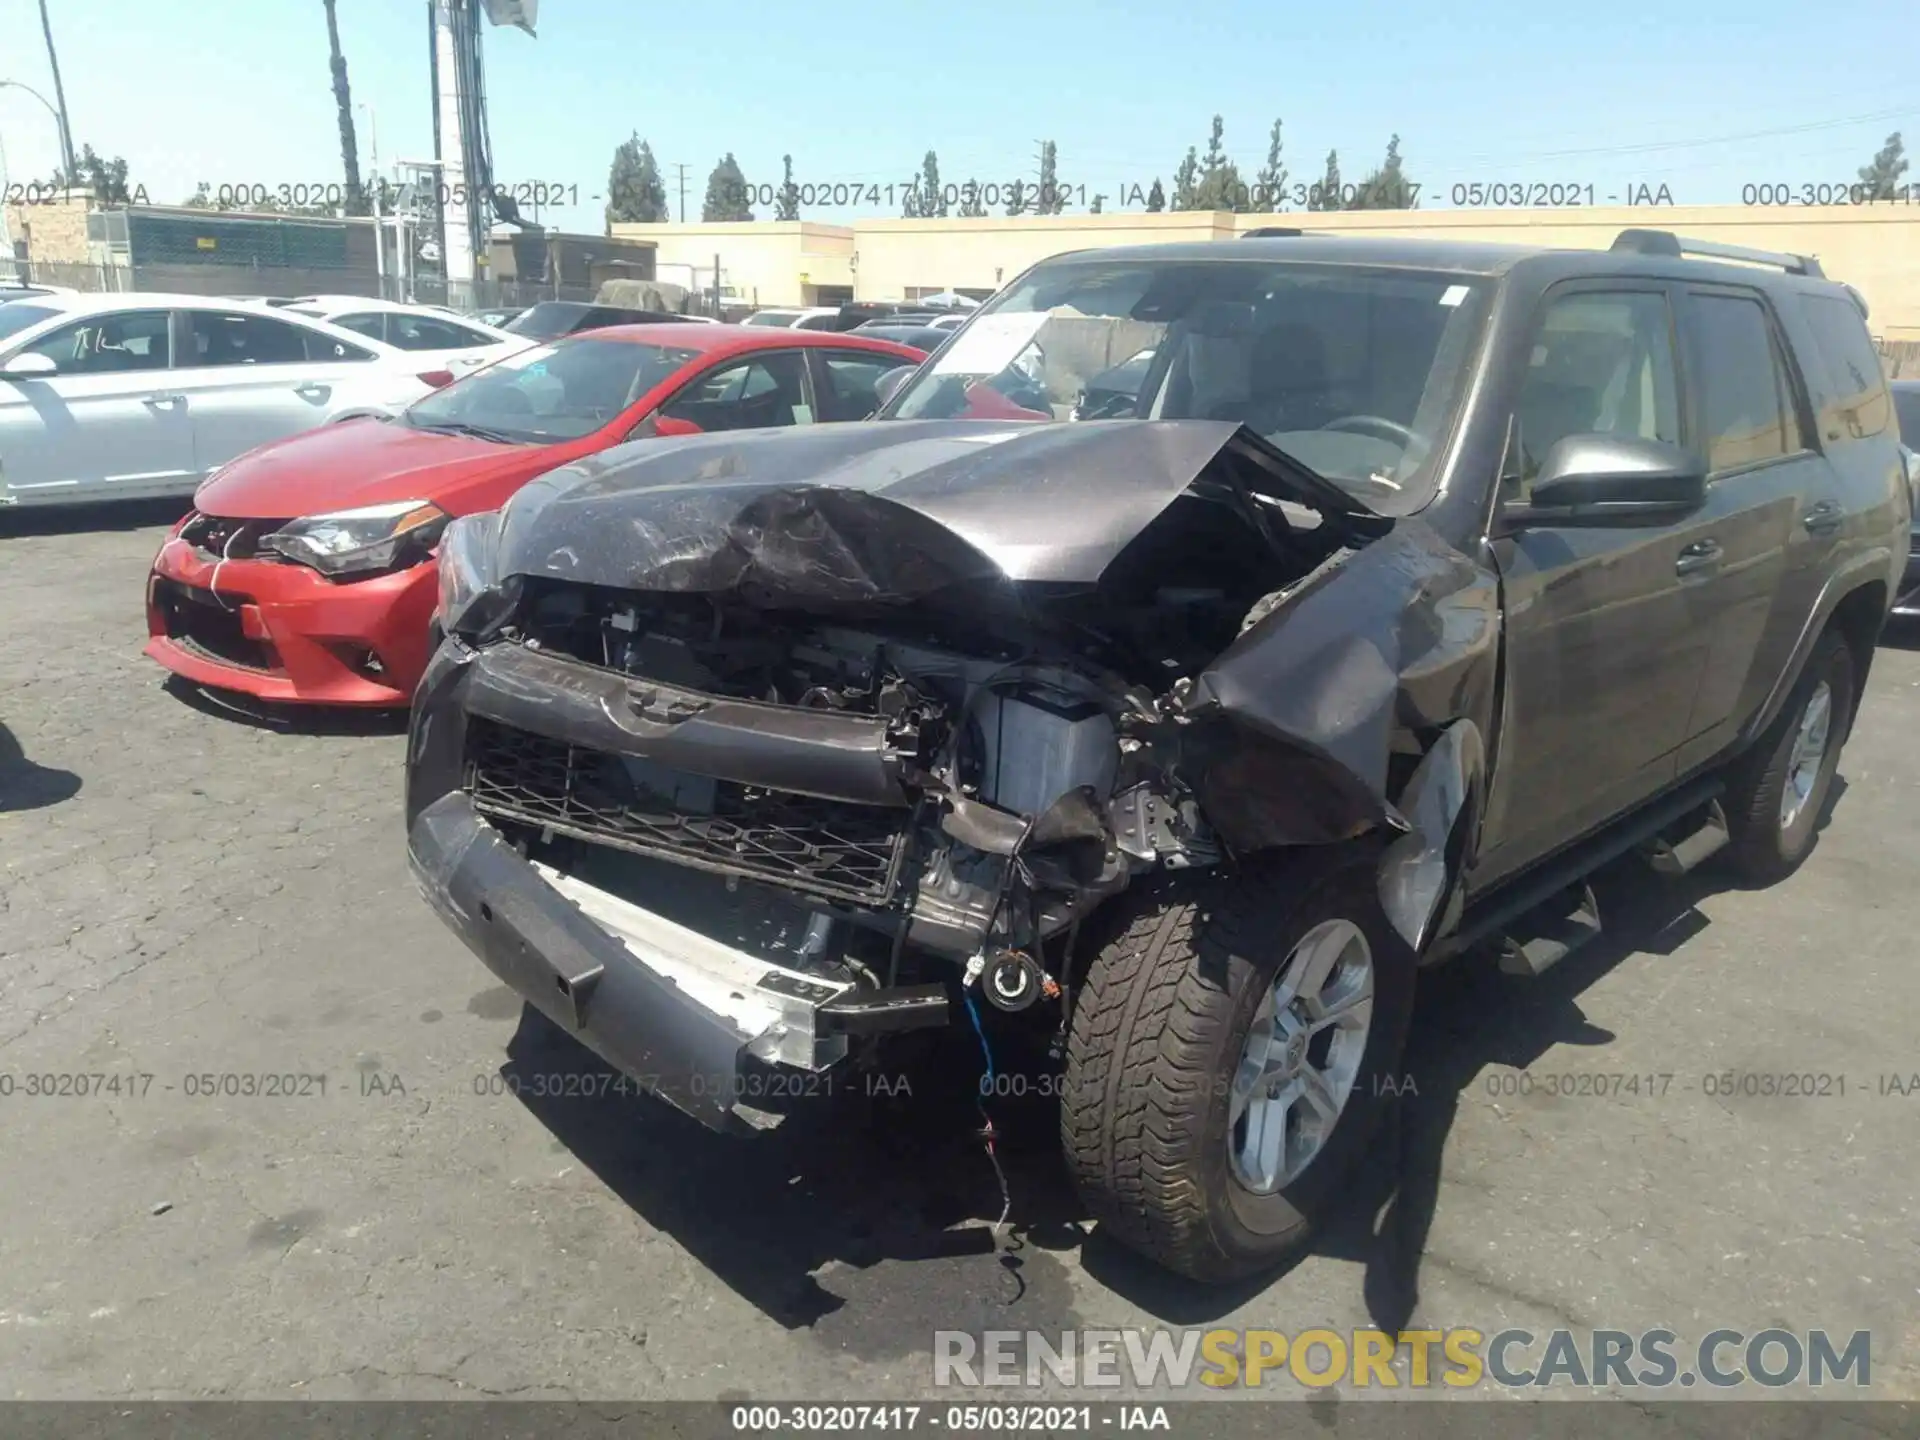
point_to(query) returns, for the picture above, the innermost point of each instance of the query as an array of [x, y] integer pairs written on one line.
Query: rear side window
[[1747, 414], [374, 327], [1859, 406]]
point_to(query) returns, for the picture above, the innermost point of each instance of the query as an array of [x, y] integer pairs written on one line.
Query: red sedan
[[304, 571]]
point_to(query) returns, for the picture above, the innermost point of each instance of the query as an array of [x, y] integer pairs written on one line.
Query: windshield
[[1354, 372], [550, 392], [17, 315], [548, 320]]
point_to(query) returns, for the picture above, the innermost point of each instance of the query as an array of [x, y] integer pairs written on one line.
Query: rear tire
[[1778, 790], [1168, 1026]]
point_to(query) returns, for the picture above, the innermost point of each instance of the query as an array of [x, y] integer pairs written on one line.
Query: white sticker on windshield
[[989, 344], [1454, 295]]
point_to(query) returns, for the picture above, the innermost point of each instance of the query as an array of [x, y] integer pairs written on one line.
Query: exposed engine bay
[[1033, 742]]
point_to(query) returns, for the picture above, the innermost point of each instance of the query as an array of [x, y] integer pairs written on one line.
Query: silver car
[[134, 396]]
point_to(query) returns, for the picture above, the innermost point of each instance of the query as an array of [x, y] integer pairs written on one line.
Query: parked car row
[[127, 396], [305, 571]]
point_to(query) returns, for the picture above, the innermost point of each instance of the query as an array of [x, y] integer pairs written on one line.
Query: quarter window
[[1859, 404], [1747, 412], [1601, 364]]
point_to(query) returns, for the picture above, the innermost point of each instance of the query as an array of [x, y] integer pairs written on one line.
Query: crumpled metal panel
[[1369, 658], [886, 511]]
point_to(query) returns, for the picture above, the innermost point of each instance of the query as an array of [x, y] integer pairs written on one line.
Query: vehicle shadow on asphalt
[[868, 1218], [323, 720], [102, 515], [27, 786]]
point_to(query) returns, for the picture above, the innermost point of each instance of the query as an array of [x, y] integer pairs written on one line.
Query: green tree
[[971, 207], [1881, 179], [635, 194], [356, 197], [1186, 181], [1049, 198], [727, 196], [1098, 205], [1220, 187], [1386, 188], [1325, 193], [787, 202], [201, 199], [1017, 197], [1270, 185], [1156, 197], [933, 198], [105, 179]]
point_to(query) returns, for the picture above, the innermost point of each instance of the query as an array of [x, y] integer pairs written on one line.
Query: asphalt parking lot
[[190, 895]]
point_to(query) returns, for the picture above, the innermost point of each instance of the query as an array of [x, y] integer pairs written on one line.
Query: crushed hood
[[884, 511]]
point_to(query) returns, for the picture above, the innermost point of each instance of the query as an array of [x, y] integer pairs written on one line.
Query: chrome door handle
[[165, 400], [313, 390], [1823, 518], [1701, 555]]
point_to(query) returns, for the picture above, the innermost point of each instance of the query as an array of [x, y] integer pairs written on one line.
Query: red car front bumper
[[279, 631]]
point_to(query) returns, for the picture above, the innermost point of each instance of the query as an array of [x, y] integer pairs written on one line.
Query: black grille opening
[[222, 539], [209, 624], [822, 847]]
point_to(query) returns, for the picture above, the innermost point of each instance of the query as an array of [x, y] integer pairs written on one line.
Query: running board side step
[[1561, 932], [1676, 858]]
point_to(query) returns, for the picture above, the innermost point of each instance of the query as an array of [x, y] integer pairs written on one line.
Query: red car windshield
[[549, 393]]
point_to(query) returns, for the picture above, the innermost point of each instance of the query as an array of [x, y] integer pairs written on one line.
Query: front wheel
[[1230, 1055]]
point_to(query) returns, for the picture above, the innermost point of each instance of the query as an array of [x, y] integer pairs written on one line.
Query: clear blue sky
[[1702, 97]]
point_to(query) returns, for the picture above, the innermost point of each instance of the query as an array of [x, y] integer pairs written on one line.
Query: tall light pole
[[59, 92], [373, 190], [66, 151]]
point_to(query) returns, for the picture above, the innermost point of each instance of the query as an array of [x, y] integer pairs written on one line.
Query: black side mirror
[[1611, 480], [890, 385]]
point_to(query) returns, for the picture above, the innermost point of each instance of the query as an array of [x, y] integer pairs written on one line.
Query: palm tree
[[343, 99]]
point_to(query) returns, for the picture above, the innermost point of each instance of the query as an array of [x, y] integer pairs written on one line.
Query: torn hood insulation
[[886, 511]]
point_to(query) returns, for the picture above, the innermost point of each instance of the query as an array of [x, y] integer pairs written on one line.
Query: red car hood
[[372, 462]]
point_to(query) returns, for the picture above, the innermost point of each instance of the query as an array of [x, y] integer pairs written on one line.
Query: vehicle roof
[[368, 302], [92, 300], [1459, 257], [99, 302], [710, 338]]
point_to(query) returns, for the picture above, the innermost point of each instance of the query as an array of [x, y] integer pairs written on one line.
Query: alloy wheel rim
[[1301, 1057], [1809, 752]]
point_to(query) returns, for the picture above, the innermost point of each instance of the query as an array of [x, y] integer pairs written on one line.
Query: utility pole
[[59, 93], [683, 193]]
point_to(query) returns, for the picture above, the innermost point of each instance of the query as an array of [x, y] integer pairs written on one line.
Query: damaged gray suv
[[1410, 583]]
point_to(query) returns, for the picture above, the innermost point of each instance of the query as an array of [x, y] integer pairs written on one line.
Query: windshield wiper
[[461, 427]]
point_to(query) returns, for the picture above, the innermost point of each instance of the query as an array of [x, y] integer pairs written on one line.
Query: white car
[[438, 339], [948, 322], [138, 395]]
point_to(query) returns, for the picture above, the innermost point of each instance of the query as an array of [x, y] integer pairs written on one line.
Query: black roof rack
[[1271, 232], [1665, 242]]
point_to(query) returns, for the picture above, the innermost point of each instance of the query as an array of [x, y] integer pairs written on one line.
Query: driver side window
[[1601, 363]]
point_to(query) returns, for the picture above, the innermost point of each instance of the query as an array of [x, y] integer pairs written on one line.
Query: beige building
[[1875, 248]]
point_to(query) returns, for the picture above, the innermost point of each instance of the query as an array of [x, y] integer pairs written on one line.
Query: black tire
[[1158, 1028], [1762, 849]]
